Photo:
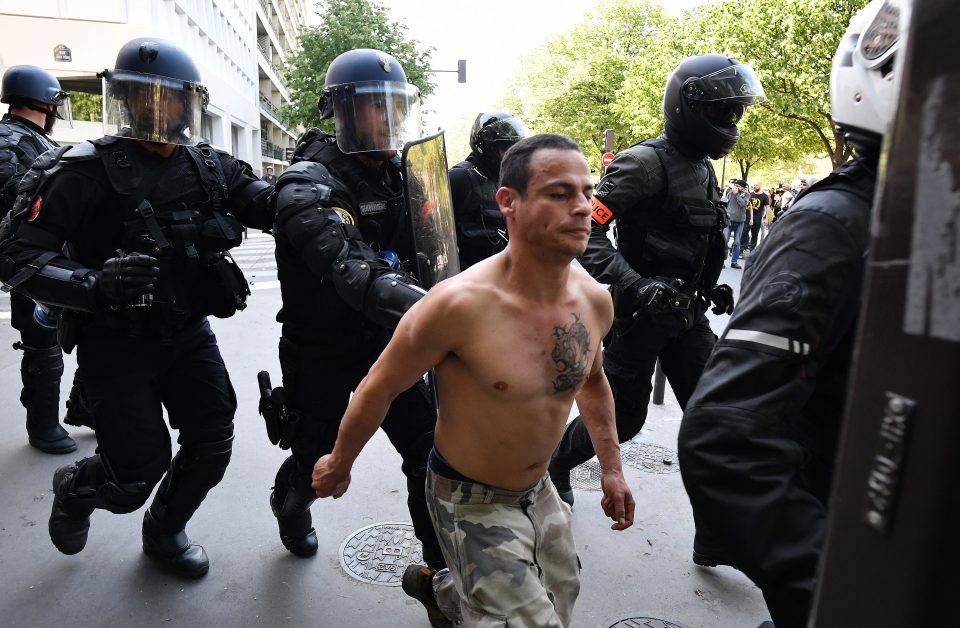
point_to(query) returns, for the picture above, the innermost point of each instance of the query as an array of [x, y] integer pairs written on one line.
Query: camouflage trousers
[[511, 556]]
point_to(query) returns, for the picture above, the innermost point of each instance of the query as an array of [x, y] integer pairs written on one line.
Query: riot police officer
[[34, 96], [344, 258], [481, 229], [147, 219], [670, 250], [760, 432]]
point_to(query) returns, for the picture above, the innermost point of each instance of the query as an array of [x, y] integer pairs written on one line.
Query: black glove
[[127, 277], [722, 298], [655, 295]]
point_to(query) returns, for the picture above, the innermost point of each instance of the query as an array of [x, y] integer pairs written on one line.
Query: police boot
[[40, 370], [417, 582], [80, 488], [290, 501], [193, 472], [78, 411], [70, 516]]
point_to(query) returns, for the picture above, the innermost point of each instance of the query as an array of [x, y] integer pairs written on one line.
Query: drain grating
[[586, 476], [649, 457], [378, 553], [635, 620]]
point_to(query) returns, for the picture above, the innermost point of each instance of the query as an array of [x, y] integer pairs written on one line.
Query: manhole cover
[[639, 621], [650, 458], [378, 554], [586, 476]]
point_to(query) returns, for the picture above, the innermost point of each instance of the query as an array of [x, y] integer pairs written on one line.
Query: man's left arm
[[595, 403], [248, 196]]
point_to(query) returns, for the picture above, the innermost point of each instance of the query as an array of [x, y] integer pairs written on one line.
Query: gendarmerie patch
[[373, 207]]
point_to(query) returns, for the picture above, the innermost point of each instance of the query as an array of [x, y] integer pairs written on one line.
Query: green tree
[[87, 107], [346, 25], [577, 83]]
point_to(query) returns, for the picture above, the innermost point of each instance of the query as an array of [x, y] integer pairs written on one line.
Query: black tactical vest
[[676, 234], [375, 198]]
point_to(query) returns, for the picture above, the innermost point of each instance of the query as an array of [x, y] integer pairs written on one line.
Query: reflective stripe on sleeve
[[769, 340]]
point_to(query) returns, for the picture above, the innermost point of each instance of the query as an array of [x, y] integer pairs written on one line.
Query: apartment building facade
[[240, 47]]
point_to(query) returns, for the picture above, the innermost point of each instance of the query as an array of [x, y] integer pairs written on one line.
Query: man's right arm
[[311, 217], [426, 334]]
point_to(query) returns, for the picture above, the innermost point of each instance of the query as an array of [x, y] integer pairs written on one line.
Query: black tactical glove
[[127, 277], [722, 298], [655, 294]]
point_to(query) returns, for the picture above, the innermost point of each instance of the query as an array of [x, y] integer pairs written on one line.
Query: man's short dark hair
[[515, 167]]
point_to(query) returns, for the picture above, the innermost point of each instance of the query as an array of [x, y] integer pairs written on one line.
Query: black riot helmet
[[23, 85], [704, 99], [373, 106], [153, 93], [492, 132]]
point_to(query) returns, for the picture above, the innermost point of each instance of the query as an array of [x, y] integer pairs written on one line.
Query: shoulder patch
[[345, 216], [601, 213], [34, 209], [606, 186]]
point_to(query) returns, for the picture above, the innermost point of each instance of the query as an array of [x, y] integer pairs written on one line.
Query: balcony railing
[[263, 44], [266, 7]]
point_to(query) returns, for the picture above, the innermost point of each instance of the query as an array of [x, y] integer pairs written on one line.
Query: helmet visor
[[510, 130], [736, 82], [375, 115], [152, 108]]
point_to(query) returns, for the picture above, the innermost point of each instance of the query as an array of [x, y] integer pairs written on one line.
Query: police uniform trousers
[[318, 380], [511, 554], [130, 378]]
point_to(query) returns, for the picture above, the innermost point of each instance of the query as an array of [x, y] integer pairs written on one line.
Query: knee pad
[[42, 364]]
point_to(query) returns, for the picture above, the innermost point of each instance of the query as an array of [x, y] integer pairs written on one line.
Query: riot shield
[[430, 208], [891, 550]]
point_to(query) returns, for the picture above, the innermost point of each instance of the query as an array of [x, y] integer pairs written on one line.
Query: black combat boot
[[40, 370], [417, 582], [172, 550], [193, 472], [69, 517], [296, 530]]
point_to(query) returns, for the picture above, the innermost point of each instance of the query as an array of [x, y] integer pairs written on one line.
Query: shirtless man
[[514, 340]]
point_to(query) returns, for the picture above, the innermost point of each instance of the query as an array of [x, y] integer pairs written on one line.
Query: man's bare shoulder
[[469, 289], [596, 295]]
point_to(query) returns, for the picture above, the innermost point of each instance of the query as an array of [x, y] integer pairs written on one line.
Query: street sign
[[607, 159]]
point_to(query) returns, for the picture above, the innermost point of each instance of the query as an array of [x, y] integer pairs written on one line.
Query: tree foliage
[[609, 72], [347, 25]]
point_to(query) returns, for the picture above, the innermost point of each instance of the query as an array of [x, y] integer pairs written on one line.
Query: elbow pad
[[63, 283], [254, 201], [382, 297]]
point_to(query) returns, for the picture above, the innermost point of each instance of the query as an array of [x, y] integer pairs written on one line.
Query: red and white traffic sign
[[607, 159]]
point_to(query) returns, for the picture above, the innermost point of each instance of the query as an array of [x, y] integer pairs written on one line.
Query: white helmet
[[864, 79]]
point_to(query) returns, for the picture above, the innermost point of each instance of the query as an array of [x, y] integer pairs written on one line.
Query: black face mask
[[723, 113], [49, 122]]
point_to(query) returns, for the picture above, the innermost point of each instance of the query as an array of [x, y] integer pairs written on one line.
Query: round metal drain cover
[[586, 476], [650, 458], [634, 620], [378, 554]]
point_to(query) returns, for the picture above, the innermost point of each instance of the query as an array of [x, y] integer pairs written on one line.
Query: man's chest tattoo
[[570, 355]]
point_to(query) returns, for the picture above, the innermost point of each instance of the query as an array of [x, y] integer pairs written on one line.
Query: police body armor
[[189, 239], [677, 235], [16, 156], [377, 217], [481, 228]]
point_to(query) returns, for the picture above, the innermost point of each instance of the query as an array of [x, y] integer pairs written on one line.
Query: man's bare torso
[[507, 391]]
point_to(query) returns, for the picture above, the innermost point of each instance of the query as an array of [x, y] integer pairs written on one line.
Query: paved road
[[253, 581]]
